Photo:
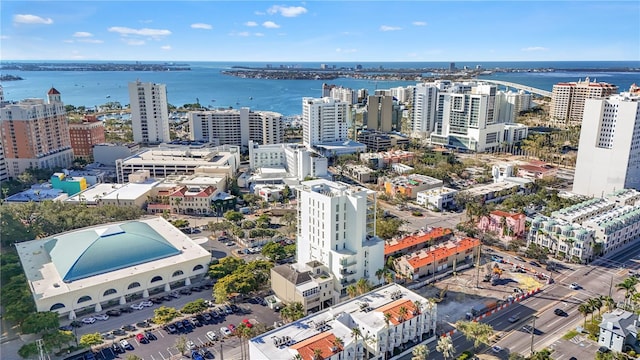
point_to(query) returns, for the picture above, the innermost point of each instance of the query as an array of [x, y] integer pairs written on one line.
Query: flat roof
[[131, 191], [93, 194], [37, 193]]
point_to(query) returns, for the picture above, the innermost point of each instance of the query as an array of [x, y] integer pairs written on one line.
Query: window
[[198, 267], [109, 292], [84, 298], [177, 273], [133, 285], [56, 306]]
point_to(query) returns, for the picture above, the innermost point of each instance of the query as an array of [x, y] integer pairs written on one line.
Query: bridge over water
[[519, 86]]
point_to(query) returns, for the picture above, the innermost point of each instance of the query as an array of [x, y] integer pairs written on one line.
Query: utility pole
[[610, 285], [533, 331], [478, 266], [221, 356]]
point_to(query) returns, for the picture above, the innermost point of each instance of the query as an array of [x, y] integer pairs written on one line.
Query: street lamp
[[533, 331]]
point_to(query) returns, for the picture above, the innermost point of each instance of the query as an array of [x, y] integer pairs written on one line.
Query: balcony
[[348, 262]]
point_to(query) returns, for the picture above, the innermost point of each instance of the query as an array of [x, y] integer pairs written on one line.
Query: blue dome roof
[[99, 250]]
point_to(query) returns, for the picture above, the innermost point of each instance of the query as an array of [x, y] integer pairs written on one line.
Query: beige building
[[310, 284], [567, 99]]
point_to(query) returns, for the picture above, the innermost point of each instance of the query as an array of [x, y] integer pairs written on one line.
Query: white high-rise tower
[[149, 112], [324, 120]]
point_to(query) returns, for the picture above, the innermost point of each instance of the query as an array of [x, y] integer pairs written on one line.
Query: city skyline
[[320, 31]]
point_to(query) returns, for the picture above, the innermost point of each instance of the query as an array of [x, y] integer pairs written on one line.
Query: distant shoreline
[[44, 66], [10, 78]]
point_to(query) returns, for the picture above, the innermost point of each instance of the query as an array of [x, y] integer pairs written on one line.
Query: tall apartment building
[[85, 135], [337, 226], [380, 113], [509, 104], [609, 148], [424, 108], [35, 134], [4, 172], [568, 99], [324, 120], [236, 126], [149, 112]]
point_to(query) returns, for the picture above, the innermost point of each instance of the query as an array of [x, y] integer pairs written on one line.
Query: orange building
[[35, 134], [415, 242], [85, 135]]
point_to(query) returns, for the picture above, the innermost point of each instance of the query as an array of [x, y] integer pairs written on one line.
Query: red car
[[232, 327], [247, 323]]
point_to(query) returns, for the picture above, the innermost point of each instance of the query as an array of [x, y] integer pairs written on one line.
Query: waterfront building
[[91, 268], [149, 112], [181, 160], [410, 185], [424, 102], [568, 100], [609, 149], [509, 104], [85, 135], [4, 172], [324, 120], [411, 318], [35, 134], [236, 126], [336, 226]]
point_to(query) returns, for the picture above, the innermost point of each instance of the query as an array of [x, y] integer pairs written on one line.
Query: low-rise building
[[438, 198], [37, 193], [564, 240], [507, 226], [269, 192], [496, 192], [68, 184], [619, 330], [131, 194], [536, 170], [416, 241], [410, 185], [411, 318], [361, 173], [428, 262], [401, 168], [385, 159], [311, 284], [108, 153], [382, 141]]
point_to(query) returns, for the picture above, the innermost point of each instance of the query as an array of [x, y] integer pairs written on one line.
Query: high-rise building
[[149, 112], [35, 134], [324, 120], [85, 135], [509, 104], [425, 96], [567, 99], [337, 227], [236, 126], [609, 147], [379, 112]]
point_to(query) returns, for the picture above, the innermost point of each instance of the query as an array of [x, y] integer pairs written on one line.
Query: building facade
[[379, 113], [35, 134], [85, 135], [568, 100], [410, 185], [507, 226], [619, 330], [298, 161], [236, 126], [609, 150], [324, 120], [310, 284], [336, 226], [149, 112]]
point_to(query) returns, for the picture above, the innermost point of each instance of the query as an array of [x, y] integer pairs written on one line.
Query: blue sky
[[320, 30]]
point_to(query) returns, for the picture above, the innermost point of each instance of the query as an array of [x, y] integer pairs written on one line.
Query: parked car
[[196, 355], [185, 292], [107, 336], [212, 335], [206, 353], [167, 298], [196, 288], [117, 348], [496, 349], [101, 317], [225, 331], [174, 294], [143, 324], [147, 303], [528, 329], [125, 309], [66, 328], [234, 308], [232, 327], [534, 263], [114, 312], [518, 258], [119, 332], [206, 317], [142, 339], [150, 336], [171, 329], [247, 323], [195, 322], [191, 345], [76, 324], [88, 320], [137, 306], [157, 300], [129, 328], [126, 345]]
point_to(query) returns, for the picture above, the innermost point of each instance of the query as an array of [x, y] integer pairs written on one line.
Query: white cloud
[[535, 48], [82, 34], [389, 28], [91, 41], [124, 31], [287, 11], [270, 25], [243, 33], [68, 41], [133, 42], [201, 26], [31, 19], [419, 23], [166, 47], [5, 37], [251, 23], [346, 51], [258, 34]]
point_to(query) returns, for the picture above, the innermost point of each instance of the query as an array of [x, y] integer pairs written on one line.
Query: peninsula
[[94, 66]]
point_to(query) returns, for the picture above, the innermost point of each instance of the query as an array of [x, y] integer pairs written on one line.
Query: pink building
[[505, 225]]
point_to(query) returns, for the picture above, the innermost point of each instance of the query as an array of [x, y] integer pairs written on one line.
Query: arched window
[[156, 278], [133, 285], [177, 273], [84, 298], [56, 306], [198, 267], [109, 292]]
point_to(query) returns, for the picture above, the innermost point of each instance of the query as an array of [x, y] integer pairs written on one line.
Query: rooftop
[[394, 245], [37, 193], [428, 256], [131, 191]]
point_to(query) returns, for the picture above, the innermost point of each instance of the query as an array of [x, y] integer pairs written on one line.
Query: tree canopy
[[40, 322], [194, 307], [165, 314], [88, 340]]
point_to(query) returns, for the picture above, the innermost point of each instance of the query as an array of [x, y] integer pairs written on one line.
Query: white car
[[191, 345], [574, 286], [147, 303], [137, 306], [211, 335], [496, 349], [101, 317], [89, 320], [225, 331]]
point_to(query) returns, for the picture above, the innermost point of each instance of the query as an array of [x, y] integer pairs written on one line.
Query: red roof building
[[416, 241]]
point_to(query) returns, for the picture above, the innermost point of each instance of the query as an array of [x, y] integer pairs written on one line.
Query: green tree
[[181, 344], [420, 352], [273, 251], [165, 314], [352, 291], [629, 287], [225, 267], [233, 216], [40, 322], [445, 347], [356, 333], [585, 310], [292, 311], [363, 286], [57, 339], [133, 357], [477, 332], [28, 351], [387, 228], [194, 307], [88, 340]]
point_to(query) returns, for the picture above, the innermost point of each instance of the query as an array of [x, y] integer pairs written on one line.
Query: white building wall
[[425, 98], [149, 112], [324, 120], [236, 126], [609, 148]]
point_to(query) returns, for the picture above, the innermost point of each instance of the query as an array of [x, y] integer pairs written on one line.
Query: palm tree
[[595, 304], [338, 343], [584, 309], [380, 273], [608, 302], [417, 308], [445, 346], [317, 354], [363, 286], [477, 332], [387, 320], [297, 357], [352, 291], [629, 287], [402, 312], [365, 339], [420, 352], [388, 277], [356, 333]]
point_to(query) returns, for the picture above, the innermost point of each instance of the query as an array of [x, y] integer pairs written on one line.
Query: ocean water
[[206, 83]]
